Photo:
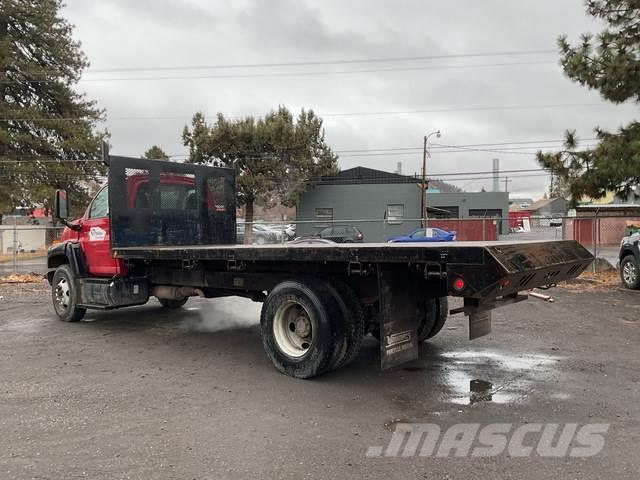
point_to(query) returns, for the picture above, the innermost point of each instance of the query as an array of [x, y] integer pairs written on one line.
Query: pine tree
[[48, 137], [608, 62], [274, 156], [156, 153]]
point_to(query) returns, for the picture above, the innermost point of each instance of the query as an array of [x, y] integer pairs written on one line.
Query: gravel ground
[[145, 393]]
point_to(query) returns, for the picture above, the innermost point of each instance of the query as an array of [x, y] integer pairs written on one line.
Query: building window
[[395, 214], [449, 212], [324, 217], [485, 212]]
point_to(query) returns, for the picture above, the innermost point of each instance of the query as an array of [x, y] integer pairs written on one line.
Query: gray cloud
[[123, 33]]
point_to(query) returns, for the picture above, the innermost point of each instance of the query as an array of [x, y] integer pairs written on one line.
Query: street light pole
[[423, 198]]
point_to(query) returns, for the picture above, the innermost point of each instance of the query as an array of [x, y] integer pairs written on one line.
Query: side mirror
[[61, 205], [61, 210]]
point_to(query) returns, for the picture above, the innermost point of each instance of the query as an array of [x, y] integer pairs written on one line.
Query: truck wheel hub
[[302, 326], [292, 329], [63, 293]]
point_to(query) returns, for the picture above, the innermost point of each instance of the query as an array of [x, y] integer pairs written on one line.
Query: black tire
[[64, 295], [173, 304], [322, 316], [428, 320], [630, 272], [434, 315], [442, 313], [354, 323]]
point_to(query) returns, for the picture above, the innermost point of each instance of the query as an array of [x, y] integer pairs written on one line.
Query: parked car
[[273, 234], [261, 235], [311, 241], [290, 231], [425, 235], [341, 234], [629, 257]]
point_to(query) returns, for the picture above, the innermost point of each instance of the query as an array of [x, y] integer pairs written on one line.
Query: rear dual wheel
[[434, 313], [310, 327]]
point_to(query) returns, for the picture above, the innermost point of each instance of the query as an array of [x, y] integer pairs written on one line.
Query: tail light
[[459, 284]]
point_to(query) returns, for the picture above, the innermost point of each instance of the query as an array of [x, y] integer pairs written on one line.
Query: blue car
[[425, 235]]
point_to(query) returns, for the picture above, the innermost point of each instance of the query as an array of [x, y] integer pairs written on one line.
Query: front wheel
[[629, 273], [64, 295]]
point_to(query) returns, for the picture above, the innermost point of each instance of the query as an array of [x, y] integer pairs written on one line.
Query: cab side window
[[100, 206]]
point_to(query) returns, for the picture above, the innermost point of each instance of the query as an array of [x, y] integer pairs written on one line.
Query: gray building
[[384, 205], [473, 205], [548, 207]]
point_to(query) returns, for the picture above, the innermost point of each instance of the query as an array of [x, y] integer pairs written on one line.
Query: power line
[[500, 147], [324, 115], [67, 175], [288, 74], [321, 62], [34, 169], [526, 142]]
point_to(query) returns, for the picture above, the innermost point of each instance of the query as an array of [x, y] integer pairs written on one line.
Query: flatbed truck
[[168, 230]]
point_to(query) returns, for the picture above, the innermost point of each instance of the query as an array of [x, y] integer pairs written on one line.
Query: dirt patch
[[21, 278], [589, 281]]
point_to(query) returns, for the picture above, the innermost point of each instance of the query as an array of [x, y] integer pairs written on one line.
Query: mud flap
[[399, 314], [479, 324]]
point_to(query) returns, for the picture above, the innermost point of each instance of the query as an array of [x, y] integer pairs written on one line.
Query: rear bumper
[[509, 269]]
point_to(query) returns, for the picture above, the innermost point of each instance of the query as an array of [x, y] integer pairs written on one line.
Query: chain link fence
[[23, 247]]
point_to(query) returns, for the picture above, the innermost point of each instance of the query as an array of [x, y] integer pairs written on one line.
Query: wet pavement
[[149, 393]]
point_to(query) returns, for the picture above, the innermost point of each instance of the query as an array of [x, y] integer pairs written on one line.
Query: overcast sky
[[465, 101]]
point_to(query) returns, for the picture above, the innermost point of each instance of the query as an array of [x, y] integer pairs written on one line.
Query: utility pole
[[506, 181], [423, 190], [423, 197]]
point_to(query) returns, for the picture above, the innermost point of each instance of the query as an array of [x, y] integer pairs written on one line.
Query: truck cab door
[[95, 236]]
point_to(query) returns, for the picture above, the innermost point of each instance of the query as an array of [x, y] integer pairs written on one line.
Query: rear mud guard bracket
[[479, 313], [399, 314]]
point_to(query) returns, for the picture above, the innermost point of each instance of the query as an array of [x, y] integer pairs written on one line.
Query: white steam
[[215, 314]]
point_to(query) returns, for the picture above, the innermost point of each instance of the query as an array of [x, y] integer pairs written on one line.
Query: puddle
[[505, 378]]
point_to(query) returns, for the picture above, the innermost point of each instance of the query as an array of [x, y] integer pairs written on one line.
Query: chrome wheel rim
[[629, 272], [292, 329], [63, 293]]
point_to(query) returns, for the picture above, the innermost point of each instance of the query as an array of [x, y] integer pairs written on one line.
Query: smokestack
[[399, 168], [496, 175]]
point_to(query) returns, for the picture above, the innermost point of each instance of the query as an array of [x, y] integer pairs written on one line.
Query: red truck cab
[[92, 230], [92, 234]]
